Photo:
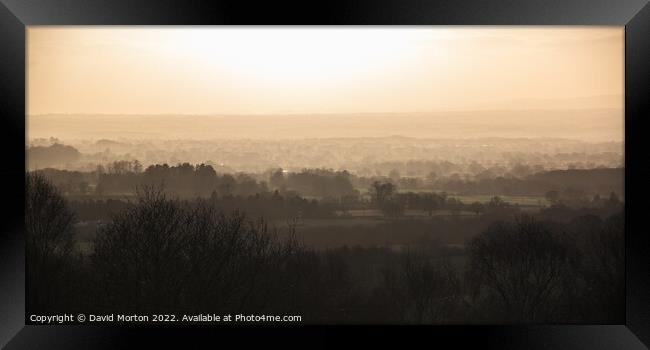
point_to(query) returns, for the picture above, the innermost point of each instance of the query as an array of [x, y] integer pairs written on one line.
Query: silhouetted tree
[[139, 259], [381, 192], [603, 269], [49, 244], [516, 270], [163, 255], [55, 155], [420, 290]]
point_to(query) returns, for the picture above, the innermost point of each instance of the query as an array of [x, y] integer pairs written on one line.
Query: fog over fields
[[593, 125], [555, 139], [411, 175]]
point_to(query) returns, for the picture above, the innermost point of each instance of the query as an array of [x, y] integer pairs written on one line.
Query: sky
[[318, 70]]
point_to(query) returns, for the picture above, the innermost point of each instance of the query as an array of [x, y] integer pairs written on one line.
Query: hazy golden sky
[[264, 70]]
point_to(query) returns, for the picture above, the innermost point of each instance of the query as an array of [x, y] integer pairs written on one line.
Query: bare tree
[[517, 269], [420, 290], [49, 238], [164, 255], [382, 192], [603, 269], [140, 255]]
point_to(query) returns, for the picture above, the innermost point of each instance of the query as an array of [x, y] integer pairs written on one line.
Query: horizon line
[[317, 113]]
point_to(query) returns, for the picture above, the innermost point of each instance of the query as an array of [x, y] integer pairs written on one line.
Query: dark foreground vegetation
[[161, 254]]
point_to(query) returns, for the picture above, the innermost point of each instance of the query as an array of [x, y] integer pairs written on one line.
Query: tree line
[[163, 255], [189, 180]]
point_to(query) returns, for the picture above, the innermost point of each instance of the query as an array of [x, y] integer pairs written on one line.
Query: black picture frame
[[15, 15]]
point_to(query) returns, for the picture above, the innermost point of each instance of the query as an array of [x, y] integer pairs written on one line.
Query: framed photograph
[[469, 174]]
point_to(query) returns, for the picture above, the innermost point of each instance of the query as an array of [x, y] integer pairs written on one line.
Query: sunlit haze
[[325, 175], [315, 70]]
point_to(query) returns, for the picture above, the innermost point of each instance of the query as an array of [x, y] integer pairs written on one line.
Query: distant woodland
[[347, 176], [530, 234]]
